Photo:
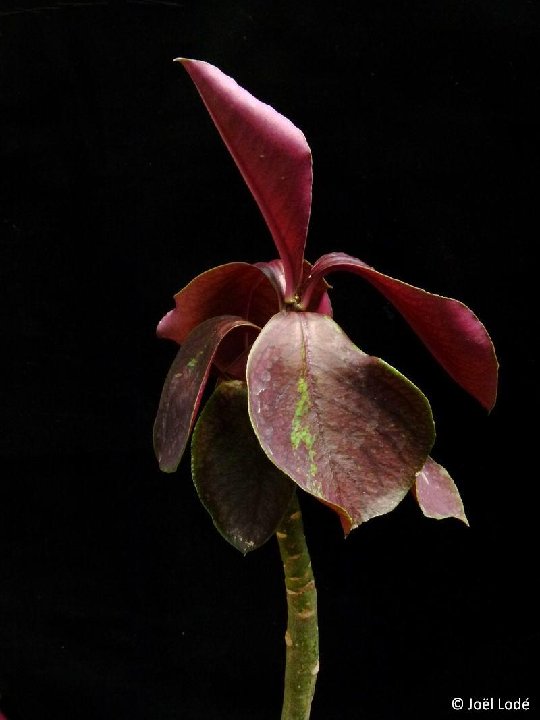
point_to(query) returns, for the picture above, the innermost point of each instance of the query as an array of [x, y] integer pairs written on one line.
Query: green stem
[[302, 637]]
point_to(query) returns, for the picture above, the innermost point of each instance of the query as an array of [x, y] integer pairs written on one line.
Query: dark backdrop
[[117, 598]]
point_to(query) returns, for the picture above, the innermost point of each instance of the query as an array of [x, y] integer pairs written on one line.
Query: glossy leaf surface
[[233, 289], [184, 386], [271, 153], [346, 427], [245, 494], [437, 493], [448, 328]]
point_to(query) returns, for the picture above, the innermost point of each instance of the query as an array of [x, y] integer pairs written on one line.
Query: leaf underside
[[235, 288], [448, 328], [346, 427], [244, 493], [437, 493], [184, 386]]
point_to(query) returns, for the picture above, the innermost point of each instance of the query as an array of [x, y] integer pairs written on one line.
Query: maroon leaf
[[231, 357], [245, 494], [345, 426], [276, 275], [323, 305], [234, 289], [437, 494], [184, 386], [271, 153], [449, 329]]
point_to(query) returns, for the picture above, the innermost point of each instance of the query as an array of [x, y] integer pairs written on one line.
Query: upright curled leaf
[[271, 153]]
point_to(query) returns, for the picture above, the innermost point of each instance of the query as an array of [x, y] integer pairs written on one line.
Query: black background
[[117, 597]]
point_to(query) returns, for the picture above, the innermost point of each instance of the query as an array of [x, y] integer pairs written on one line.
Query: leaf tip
[[346, 520], [166, 468], [461, 516], [487, 397], [164, 462], [490, 404]]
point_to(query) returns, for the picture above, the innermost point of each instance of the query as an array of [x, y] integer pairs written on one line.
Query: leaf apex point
[[166, 469], [166, 466]]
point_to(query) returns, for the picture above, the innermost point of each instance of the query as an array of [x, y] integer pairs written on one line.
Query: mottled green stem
[[302, 636]]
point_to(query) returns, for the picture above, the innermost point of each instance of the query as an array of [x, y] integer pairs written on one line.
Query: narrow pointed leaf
[[448, 328], [437, 493], [271, 153], [233, 289], [345, 426], [184, 386], [245, 494]]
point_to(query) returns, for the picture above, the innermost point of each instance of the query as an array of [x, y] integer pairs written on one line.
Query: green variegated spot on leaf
[[300, 433], [194, 360], [245, 494], [346, 427]]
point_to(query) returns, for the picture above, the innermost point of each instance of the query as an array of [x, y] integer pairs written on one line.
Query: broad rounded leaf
[[233, 289], [448, 328], [345, 426], [271, 153], [184, 386], [245, 494], [437, 493]]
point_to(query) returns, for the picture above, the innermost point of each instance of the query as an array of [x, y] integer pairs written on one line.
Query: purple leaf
[[437, 494], [273, 156], [184, 386], [345, 426], [245, 494], [448, 328], [234, 289], [232, 354], [276, 275]]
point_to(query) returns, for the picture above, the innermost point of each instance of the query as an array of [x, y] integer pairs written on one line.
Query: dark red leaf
[[231, 357], [271, 153], [437, 493], [245, 494], [345, 426], [448, 328], [184, 386], [276, 275], [322, 305], [234, 289]]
